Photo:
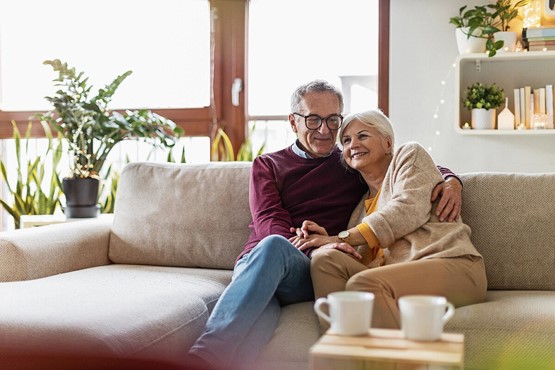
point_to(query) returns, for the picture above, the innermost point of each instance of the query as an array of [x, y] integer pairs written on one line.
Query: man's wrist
[[453, 177]]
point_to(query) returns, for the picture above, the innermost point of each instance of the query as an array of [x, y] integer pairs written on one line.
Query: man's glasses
[[314, 121]]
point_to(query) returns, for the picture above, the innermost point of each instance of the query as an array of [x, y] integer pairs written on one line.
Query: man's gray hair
[[372, 118], [317, 86]]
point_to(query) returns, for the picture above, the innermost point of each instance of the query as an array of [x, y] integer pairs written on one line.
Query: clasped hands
[[312, 235]]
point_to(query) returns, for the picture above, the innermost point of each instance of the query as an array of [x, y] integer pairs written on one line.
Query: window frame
[[228, 62]]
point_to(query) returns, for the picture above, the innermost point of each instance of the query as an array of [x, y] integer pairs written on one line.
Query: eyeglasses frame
[[322, 120]]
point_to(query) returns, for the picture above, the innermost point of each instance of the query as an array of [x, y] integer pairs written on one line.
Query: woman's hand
[[343, 247], [321, 242], [307, 228], [312, 241]]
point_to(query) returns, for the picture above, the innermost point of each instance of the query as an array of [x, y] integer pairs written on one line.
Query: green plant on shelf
[[483, 21], [479, 95]]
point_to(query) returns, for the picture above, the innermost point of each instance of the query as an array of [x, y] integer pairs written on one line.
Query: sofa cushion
[[181, 214], [510, 330], [123, 311], [297, 324], [511, 217]]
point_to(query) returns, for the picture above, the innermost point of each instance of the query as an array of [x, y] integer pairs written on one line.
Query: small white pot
[[469, 44], [483, 119], [509, 40]]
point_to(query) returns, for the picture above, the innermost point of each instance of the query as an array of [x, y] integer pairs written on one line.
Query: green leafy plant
[[222, 148], [246, 153], [32, 193], [479, 95], [90, 128], [483, 21], [478, 22], [504, 12], [108, 194]]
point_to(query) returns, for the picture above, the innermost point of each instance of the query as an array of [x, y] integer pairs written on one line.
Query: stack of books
[[539, 38], [533, 107]]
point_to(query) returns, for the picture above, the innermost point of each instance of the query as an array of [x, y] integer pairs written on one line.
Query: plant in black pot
[[92, 131]]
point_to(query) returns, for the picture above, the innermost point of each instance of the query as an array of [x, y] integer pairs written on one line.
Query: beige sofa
[[136, 292]]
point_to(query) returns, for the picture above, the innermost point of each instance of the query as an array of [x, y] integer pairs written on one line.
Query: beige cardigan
[[405, 222]]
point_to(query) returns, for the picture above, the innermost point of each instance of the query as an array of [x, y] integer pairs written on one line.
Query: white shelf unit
[[508, 71]]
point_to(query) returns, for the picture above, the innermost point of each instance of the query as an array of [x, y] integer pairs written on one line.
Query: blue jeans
[[272, 275]]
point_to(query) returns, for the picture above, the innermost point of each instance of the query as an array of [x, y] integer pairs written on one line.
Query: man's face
[[320, 142]]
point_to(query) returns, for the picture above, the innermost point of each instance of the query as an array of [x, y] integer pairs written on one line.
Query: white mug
[[350, 312], [423, 316]]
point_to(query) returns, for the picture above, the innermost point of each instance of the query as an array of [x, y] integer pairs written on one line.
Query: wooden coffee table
[[385, 349]]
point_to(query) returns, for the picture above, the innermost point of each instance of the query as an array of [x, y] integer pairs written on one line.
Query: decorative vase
[[509, 40], [470, 44], [81, 197], [506, 119], [483, 119]]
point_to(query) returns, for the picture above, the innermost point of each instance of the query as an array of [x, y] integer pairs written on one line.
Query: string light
[[441, 102], [532, 14]]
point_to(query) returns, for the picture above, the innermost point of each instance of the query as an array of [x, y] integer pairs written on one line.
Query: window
[[292, 42], [167, 47]]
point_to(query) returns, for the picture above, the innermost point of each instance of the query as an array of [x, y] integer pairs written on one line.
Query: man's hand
[[449, 207]]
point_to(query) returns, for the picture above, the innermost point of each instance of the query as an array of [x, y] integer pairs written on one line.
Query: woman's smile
[[357, 155]]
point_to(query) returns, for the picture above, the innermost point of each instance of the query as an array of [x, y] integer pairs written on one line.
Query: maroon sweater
[[286, 189]]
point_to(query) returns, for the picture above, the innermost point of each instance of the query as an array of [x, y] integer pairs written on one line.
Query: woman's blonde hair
[[372, 118]]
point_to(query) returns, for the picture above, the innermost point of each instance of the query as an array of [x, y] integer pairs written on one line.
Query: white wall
[[422, 52]]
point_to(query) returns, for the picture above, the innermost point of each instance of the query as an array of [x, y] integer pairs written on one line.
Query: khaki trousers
[[462, 280]]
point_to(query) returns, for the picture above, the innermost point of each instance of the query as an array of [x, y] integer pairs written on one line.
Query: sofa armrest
[[53, 249]]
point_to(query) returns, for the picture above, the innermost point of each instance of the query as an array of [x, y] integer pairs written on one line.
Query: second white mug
[[423, 316], [350, 312]]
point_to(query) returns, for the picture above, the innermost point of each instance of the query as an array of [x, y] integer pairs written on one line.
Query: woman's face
[[364, 147]]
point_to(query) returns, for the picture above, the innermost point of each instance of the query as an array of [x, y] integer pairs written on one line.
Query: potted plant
[[483, 100], [503, 14], [92, 131], [474, 30]]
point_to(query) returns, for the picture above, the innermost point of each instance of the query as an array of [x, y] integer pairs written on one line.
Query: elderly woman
[[402, 247]]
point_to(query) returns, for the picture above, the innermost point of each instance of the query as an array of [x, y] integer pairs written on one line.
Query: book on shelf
[[542, 38], [541, 47], [549, 104], [538, 31], [541, 100], [527, 106], [541, 42], [517, 106], [522, 104]]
